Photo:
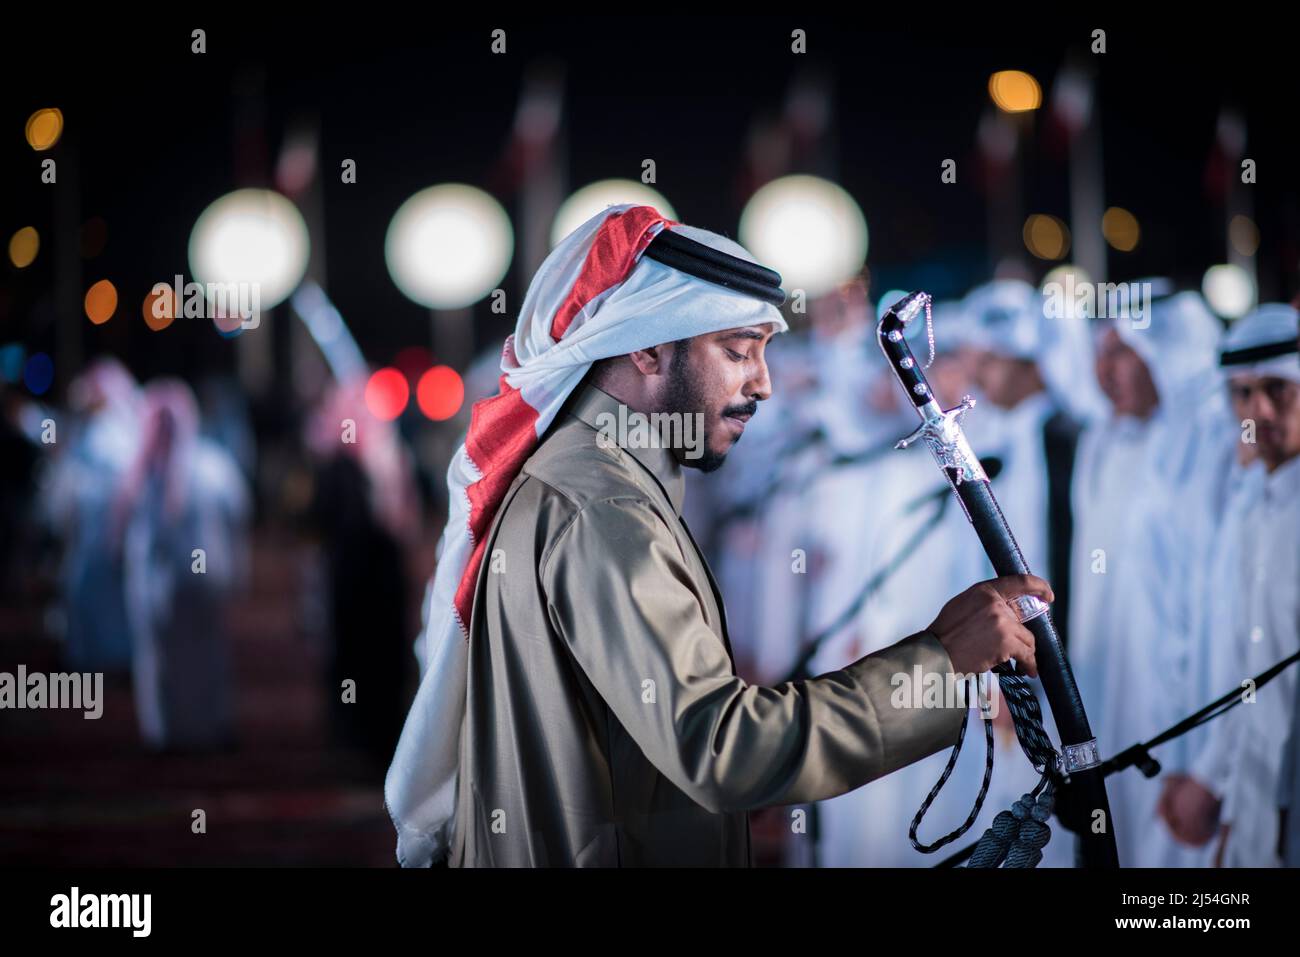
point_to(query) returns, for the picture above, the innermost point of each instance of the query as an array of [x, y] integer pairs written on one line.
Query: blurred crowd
[[129, 501], [127, 526], [1157, 489]]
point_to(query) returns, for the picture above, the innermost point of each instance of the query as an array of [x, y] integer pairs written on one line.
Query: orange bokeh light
[[1015, 91], [160, 308], [44, 127], [101, 302]]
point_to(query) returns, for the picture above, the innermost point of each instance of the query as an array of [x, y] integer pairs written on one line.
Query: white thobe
[[181, 661], [1242, 761], [1181, 529]]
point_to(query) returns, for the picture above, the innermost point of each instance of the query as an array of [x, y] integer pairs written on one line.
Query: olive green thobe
[[605, 724]]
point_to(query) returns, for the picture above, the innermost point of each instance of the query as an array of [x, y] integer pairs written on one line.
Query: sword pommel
[[890, 333], [910, 306]]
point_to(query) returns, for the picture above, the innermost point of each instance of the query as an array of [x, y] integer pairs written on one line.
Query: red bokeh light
[[440, 393], [387, 394]]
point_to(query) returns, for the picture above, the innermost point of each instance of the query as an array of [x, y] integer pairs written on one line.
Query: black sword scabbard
[[1083, 793]]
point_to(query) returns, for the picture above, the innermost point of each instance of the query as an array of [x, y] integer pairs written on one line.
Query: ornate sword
[[1081, 806]]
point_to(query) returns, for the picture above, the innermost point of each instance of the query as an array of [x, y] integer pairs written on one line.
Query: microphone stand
[[1139, 755]]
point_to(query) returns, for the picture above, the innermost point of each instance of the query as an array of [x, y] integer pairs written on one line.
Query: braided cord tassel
[[1017, 837], [943, 779], [1027, 717]]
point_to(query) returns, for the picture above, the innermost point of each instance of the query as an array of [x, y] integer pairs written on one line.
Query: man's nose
[[1261, 407], [760, 386]]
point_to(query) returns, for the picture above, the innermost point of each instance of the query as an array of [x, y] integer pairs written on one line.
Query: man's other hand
[[1189, 808]]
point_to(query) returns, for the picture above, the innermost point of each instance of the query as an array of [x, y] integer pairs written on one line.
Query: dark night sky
[[417, 102]]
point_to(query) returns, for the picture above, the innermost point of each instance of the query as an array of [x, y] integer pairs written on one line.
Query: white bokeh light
[[808, 229], [1229, 290], [449, 246], [591, 199], [253, 236]]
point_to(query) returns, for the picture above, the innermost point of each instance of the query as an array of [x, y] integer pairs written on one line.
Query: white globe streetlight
[[448, 246], [808, 229], [255, 237]]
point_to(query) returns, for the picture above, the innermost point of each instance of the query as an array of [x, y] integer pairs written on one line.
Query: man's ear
[[648, 361]]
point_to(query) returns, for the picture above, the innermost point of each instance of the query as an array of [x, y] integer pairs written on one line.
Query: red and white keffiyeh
[[594, 297]]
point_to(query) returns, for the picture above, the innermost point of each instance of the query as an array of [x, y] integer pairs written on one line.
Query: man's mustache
[[749, 408]]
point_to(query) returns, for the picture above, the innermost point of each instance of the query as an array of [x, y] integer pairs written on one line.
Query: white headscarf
[[1009, 317], [1006, 318], [1271, 323], [594, 297], [1178, 343]]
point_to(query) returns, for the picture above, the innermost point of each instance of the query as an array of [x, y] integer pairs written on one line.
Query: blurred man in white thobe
[[1230, 798], [1136, 471]]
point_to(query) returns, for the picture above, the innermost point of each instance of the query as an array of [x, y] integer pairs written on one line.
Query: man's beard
[[685, 396]]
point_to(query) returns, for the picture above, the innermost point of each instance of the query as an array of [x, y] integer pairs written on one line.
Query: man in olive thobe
[[605, 722]]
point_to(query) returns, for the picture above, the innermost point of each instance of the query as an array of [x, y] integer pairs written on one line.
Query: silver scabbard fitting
[[1027, 607], [1079, 757]]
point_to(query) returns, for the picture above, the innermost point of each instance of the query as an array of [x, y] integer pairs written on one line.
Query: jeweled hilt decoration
[[940, 428]]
